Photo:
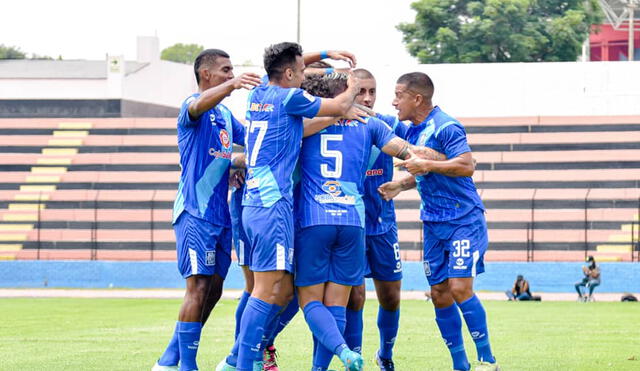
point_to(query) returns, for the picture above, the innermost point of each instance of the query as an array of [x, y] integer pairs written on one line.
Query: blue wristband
[[329, 71], [324, 55]]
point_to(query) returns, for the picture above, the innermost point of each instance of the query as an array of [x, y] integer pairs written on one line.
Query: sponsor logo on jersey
[[220, 154], [460, 264], [212, 117], [332, 187], [375, 172], [334, 194], [261, 107], [224, 139]]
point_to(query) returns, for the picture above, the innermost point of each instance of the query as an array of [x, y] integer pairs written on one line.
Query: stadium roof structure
[[61, 69], [618, 13]]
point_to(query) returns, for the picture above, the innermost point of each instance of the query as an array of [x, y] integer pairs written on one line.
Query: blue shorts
[[383, 256], [269, 232], [457, 253], [202, 248], [330, 253], [241, 243]]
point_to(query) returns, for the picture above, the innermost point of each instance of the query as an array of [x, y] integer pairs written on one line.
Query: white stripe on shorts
[[193, 259], [241, 257], [280, 256], [476, 257]]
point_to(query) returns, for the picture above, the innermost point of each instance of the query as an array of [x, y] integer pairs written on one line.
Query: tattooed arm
[[390, 190], [401, 149], [460, 166]]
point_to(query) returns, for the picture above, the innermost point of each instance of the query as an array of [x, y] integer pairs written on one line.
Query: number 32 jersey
[[272, 141], [334, 163]]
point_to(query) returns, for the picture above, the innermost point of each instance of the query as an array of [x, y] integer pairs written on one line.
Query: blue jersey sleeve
[[381, 133], [238, 131], [300, 103], [398, 127], [401, 130], [184, 119], [453, 140]]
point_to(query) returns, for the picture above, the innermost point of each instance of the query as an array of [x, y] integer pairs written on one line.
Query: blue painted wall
[[544, 277]]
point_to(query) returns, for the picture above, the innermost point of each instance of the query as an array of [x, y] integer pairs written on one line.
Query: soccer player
[[273, 138], [330, 246], [241, 243], [206, 131], [382, 248], [455, 230]]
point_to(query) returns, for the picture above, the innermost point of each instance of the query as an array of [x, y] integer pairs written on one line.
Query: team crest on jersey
[[427, 268], [210, 258], [332, 187], [224, 139]]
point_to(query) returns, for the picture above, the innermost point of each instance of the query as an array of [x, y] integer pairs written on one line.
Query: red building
[[607, 44]]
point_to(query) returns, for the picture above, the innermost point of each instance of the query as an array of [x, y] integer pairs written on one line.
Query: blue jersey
[[381, 215], [334, 162], [235, 205], [273, 138], [205, 146], [444, 198]]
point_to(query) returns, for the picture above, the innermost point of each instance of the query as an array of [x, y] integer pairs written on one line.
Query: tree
[[11, 52], [467, 31], [181, 53]]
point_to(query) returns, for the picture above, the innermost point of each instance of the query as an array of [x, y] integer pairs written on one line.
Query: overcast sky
[[90, 29]]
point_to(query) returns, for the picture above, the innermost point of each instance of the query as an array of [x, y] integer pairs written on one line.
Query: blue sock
[[254, 320], [285, 317], [324, 327], [272, 323], [476, 319], [450, 325], [322, 357], [171, 355], [353, 331], [388, 324], [232, 358], [188, 340]]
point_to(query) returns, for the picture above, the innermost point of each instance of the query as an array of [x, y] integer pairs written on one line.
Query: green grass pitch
[[129, 334]]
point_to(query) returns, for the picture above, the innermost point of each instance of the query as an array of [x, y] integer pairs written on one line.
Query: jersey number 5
[[261, 126], [326, 152]]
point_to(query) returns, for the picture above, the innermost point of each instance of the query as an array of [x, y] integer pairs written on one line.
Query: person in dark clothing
[[520, 290], [590, 280]]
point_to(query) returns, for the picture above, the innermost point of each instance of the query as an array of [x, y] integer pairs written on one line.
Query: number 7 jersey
[[334, 164], [272, 141]]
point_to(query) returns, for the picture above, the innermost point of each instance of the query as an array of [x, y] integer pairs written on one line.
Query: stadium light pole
[[631, 50], [298, 29]]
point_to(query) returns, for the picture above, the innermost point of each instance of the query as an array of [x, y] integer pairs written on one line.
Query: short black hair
[[206, 58], [325, 86], [419, 83], [361, 73], [278, 57]]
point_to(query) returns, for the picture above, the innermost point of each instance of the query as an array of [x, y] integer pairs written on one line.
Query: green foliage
[[181, 53], [130, 334], [466, 31], [11, 52]]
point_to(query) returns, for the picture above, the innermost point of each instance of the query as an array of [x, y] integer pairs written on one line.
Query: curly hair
[[325, 86], [278, 57]]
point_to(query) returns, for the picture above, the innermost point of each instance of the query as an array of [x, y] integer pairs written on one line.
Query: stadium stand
[[555, 188]]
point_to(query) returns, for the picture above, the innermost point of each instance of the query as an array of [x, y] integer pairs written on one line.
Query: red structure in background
[[607, 44]]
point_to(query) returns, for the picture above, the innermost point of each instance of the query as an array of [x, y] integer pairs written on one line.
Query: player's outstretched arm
[[459, 166], [389, 190], [400, 148], [340, 105], [317, 124], [337, 55], [212, 96]]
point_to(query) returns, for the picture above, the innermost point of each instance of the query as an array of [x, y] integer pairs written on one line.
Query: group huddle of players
[[311, 213]]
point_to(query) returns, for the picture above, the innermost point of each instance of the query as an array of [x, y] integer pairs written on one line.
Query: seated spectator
[[520, 290], [590, 280]]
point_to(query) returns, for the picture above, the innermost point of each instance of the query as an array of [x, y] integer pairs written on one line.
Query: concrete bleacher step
[[609, 248]]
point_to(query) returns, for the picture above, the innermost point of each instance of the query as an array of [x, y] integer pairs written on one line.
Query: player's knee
[[390, 301], [357, 298], [460, 290]]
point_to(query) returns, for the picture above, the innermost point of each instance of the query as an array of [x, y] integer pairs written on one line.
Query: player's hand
[[357, 113], [414, 164], [369, 111], [236, 179], [353, 83], [247, 80], [340, 55], [389, 190]]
